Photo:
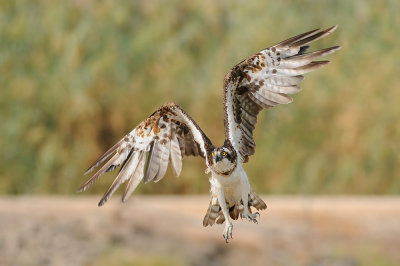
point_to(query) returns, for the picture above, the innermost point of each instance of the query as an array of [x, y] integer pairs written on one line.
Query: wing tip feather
[[84, 187], [288, 98], [314, 37], [314, 65], [322, 63], [101, 202], [103, 157], [333, 28], [92, 167], [296, 38]]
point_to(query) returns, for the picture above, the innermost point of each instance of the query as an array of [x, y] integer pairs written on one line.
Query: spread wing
[[167, 135], [264, 80]]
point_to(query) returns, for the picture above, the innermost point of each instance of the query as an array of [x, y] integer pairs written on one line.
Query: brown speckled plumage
[[167, 125], [264, 80]]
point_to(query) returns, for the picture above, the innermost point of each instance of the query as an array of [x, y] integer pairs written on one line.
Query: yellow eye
[[223, 153], [212, 154]]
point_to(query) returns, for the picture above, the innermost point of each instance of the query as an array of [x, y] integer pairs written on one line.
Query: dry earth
[[167, 230]]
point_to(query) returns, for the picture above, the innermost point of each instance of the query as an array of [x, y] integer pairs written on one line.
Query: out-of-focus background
[[75, 76]]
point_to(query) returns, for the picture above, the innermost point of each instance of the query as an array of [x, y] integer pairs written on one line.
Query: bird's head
[[223, 159]]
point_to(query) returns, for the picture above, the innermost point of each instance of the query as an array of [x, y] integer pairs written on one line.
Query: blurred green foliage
[[77, 75]]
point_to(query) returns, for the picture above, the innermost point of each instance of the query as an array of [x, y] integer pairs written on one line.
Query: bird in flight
[[264, 80]]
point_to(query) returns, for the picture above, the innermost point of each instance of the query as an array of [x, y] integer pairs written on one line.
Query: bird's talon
[[251, 217], [227, 232]]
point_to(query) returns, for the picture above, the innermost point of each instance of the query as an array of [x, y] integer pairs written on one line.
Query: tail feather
[[234, 212], [256, 202], [221, 218], [214, 211]]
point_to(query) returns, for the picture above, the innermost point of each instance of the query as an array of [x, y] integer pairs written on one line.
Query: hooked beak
[[218, 158]]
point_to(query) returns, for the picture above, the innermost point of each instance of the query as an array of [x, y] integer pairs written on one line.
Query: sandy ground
[[167, 230]]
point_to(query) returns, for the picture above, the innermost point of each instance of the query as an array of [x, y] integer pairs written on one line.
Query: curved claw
[[257, 213], [227, 232], [252, 217], [226, 239]]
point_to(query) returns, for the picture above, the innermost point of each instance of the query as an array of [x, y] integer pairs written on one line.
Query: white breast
[[231, 185]]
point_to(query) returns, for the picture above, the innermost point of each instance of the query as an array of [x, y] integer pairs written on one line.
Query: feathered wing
[[167, 135], [264, 80]]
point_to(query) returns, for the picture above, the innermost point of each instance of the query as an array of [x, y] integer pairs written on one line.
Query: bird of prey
[[264, 80]]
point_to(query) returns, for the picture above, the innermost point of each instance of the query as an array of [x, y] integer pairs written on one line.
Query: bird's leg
[[228, 224], [245, 199]]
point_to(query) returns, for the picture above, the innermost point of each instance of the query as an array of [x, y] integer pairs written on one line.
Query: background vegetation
[[75, 76]]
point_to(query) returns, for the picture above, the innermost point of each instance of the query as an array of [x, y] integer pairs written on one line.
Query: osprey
[[261, 81]]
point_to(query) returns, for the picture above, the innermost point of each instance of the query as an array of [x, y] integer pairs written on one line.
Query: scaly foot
[[228, 231], [251, 217]]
